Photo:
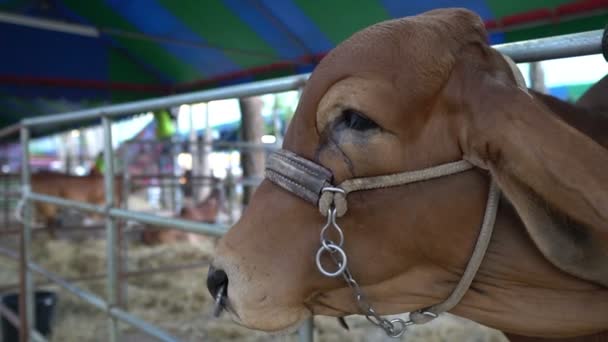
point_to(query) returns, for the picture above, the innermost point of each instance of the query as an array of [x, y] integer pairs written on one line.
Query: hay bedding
[[179, 303]]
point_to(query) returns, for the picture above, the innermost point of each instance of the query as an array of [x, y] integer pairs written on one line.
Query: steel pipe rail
[[173, 180], [173, 223], [26, 290], [568, 45], [10, 130], [62, 202], [159, 221], [9, 315], [576, 44], [142, 325], [100, 304], [11, 254], [6, 194], [36, 337], [226, 144], [112, 285], [240, 90]]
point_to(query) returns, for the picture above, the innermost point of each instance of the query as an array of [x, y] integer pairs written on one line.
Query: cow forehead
[[413, 55]]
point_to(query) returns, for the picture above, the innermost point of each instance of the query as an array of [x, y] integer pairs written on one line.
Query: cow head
[[400, 95]]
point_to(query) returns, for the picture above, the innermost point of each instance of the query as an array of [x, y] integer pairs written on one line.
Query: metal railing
[[110, 306], [547, 48]]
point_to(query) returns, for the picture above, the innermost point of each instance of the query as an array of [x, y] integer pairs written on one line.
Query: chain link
[[393, 328], [331, 224]]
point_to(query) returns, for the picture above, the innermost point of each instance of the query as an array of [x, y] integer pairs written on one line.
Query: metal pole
[[577, 44], [112, 280], [193, 150], [230, 189], [568, 45], [173, 152], [537, 77], [10, 316], [10, 130], [121, 266], [172, 223], [26, 295], [7, 200], [306, 331], [204, 150], [234, 91], [123, 254], [103, 305]]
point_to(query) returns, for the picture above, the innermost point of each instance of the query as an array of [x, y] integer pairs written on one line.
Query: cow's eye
[[355, 120]]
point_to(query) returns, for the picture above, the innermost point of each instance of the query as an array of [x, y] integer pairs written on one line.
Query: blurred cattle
[[206, 211], [88, 189]]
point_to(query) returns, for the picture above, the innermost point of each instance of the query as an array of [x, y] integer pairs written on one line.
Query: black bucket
[[45, 310]]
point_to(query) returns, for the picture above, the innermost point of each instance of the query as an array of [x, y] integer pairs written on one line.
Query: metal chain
[[393, 328]]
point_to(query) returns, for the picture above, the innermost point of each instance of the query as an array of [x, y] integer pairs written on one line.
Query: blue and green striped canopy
[[120, 50]]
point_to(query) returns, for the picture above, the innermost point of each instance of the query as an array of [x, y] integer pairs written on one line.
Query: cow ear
[[554, 176]]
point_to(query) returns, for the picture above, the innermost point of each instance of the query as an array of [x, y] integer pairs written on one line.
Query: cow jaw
[[274, 284]]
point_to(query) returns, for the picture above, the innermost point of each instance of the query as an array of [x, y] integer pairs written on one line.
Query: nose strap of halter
[[301, 177]]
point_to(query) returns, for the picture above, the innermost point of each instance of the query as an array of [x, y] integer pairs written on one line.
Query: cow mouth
[[317, 305]]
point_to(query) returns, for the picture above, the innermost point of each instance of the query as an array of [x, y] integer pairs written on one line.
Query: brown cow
[[88, 189], [206, 211], [413, 93]]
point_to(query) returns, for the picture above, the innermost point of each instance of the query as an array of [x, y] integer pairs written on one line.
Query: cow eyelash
[[356, 120]]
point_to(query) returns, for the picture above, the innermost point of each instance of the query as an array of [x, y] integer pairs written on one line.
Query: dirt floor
[[178, 301]]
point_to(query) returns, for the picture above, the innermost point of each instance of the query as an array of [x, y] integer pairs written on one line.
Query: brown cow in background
[[206, 211], [88, 189]]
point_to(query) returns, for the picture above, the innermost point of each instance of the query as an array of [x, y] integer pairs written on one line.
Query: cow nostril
[[217, 280]]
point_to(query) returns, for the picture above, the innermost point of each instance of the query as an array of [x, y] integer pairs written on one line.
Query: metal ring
[[333, 189], [340, 237], [325, 244], [341, 265], [398, 328]]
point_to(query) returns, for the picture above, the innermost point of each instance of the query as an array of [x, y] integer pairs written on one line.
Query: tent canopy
[[61, 55]]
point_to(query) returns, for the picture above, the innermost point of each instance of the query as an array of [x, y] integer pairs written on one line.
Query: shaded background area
[[61, 55]]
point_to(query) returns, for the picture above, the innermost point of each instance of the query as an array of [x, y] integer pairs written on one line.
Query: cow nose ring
[[217, 283]]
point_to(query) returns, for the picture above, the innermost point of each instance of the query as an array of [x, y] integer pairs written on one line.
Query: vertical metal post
[[537, 77], [174, 176], [193, 149], [306, 331], [205, 167], [7, 199], [126, 179], [123, 253], [121, 266], [111, 251], [26, 295], [230, 189], [276, 120]]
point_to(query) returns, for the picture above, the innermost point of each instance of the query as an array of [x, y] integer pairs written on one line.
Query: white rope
[[338, 199], [485, 235]]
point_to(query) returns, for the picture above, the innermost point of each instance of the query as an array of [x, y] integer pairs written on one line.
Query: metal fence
[[540, 49], [139, 173]]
